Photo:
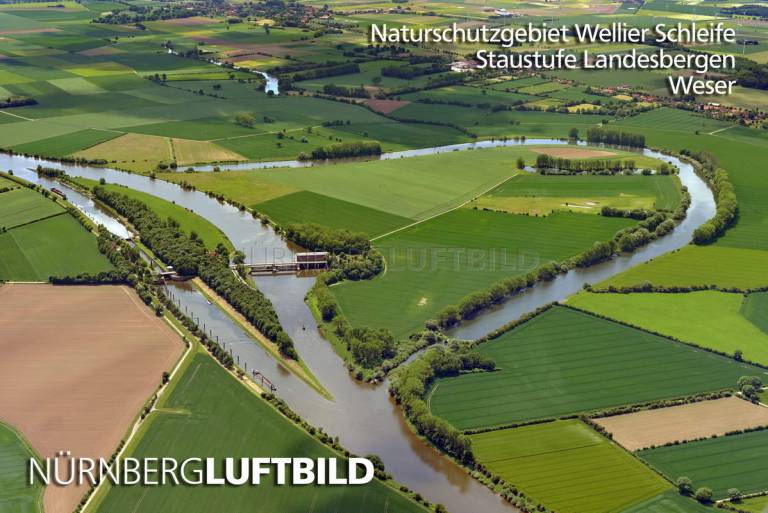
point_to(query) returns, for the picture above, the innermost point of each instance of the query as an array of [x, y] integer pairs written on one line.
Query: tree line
[[17, 101], [727, 208], [344, 150], [328, 71], [189, 257], [411, 383], [602, 136], [547, 162], [407, 71], [353, 92]]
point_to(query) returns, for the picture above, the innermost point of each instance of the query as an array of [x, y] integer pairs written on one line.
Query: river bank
[[364, 416]]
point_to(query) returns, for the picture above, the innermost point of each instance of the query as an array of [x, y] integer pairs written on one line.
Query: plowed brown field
[[78, 364], [688, 422]]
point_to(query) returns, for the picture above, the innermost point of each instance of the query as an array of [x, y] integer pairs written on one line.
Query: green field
[[470, 95], [541, 194], [738, 461], [568, 467], [63, 145], [52, 247], [21, 206], [488, 124], [15, 495], [756, 505], [669, 502], [426, 186], [304, 206], [698, 265], [564, 362], [436, 263], [188, 220], [210, 414], [755, 309], [711, 319]]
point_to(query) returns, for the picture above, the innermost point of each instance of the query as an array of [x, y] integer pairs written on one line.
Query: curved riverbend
[[364, 416]]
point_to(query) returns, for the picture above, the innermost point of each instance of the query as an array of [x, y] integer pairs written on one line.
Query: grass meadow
[[22, 206], [755, 309], [736, 461], [711, 319], [568, 467], [15, 494], [305, 206], [210, 414], [51, 247], [541, 194], [565, 362], [669, 502], [436, 263]]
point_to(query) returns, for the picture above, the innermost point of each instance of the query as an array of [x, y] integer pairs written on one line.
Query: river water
[[362, 415]]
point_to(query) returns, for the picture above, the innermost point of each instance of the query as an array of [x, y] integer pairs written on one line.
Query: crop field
[[669, 502], [560, 363], [541, 194], [736, 461], [188, 220], [103, 335], [90, 82], [22, 206], [568, 467], [302, 207], [699, 265], [63, 145], [488, 124], [245, 426], [15, 494], [711, 319], [755, 309], [436, 263], [704, 419], [755, 505], [56, 246], [383, 185]]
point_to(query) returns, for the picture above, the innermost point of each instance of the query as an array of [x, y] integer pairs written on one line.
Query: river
[[362, 415]]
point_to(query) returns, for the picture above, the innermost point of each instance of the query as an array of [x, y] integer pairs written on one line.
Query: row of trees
[[188, 256], [17, 101], [406, 71], [547, 162], [344, 150], [352, 92], [321, 238], [411, 383], [652, 226], [328, 71], [602, 136], [727, 208]]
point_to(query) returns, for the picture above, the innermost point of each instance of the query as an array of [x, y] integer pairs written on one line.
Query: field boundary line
[[16, 115], [140, 422], [415, 223]]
